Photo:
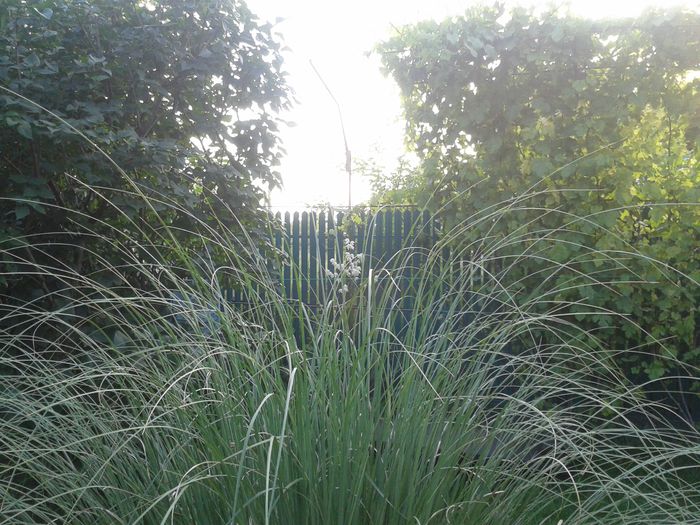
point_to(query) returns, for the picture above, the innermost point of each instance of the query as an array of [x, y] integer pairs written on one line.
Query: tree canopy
[[181, 94], [595, 118]]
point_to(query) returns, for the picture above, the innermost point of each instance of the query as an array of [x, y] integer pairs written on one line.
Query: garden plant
[[155, 401], [484, 389]]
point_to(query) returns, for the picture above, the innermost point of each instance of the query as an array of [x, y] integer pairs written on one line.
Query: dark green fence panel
[[306, 242]]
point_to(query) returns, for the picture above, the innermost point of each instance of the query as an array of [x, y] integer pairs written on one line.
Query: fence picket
[[296, 237], [330, 241], [388, 236], [378, 238], [313, 259], [361, 245], [287, 267], [304, 257], [322, 257]]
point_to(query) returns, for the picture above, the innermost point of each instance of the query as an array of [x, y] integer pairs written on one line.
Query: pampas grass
[[156, 401]]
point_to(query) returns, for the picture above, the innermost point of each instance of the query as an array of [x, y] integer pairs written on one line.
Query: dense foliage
[[181, 94], [132, 390], [376, 405], [600, 119]]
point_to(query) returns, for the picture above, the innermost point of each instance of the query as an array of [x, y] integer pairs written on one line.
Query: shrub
[[134, 403]]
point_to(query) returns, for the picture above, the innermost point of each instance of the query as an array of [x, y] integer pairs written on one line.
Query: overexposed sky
[[337, 35]]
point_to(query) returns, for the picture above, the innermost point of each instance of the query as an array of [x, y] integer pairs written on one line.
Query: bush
[[133, 403], [183, 96], [593, 124]]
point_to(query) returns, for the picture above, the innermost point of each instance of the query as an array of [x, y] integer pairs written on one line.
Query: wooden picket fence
[[400, 241], [311, 240]]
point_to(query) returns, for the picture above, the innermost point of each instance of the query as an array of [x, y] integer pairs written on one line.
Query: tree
[[181, 94], [399, 186], [596, 118]]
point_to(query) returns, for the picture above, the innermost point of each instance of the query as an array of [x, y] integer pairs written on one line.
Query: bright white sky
[[336, 35]]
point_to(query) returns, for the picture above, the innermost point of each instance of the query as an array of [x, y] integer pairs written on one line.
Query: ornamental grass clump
[[138, 393]]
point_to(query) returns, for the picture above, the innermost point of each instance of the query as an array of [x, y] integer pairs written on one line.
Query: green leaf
[[608, 219], [25, 129], [542, 167], [579, 85], [21, 211], [32, 60], [656, 370]]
